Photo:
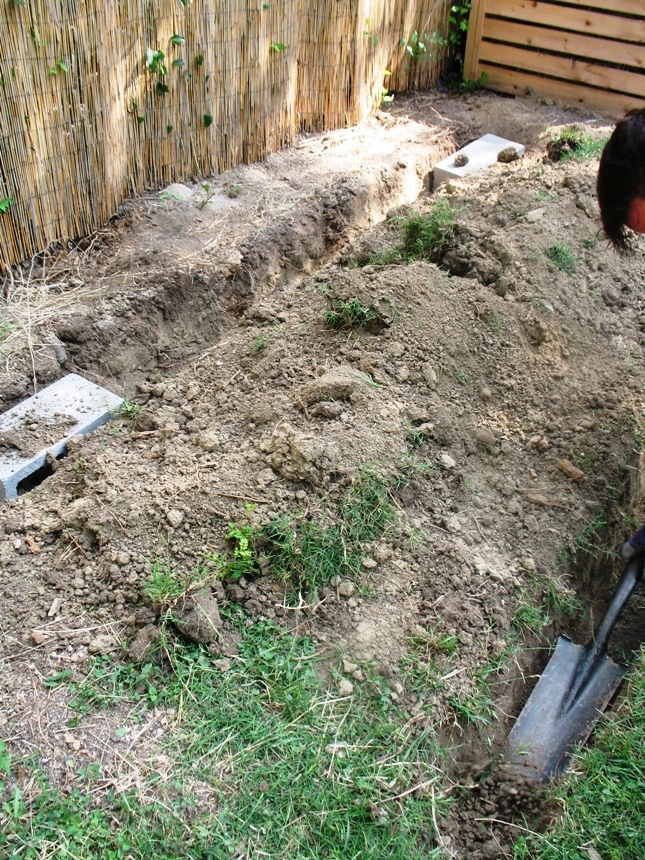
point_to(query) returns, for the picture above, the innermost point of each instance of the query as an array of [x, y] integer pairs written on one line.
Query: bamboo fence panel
[[585, 51], [85, 122]]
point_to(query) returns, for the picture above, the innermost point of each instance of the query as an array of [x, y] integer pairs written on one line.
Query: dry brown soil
[[207, 311]]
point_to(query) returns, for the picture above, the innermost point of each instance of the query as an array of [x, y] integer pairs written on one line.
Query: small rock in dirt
[[346, 588], [345, 688], [540, 443], [53, 609], [507, 155], [145, 639], [447, 461], [461, 160], [208, 439], [197, 618], [37, 637], [501, 286], [104, 643], [534, 216], [487, 438], [349, 667], [175, 518], [329, 386], [485, 393], [430, 375], [452, 524], [327, 409], [368, 563]]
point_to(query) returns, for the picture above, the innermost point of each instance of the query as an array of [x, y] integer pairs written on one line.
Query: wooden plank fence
[[590, 52], [88, 115]]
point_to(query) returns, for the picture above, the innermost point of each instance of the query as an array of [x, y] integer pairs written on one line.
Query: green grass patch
[[603, 800], [561, 257], [265, 762], [6, 328], [574, 145], [309, 552], [424, 237], [349, 314]]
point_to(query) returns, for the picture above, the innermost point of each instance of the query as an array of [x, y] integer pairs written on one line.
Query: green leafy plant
[[208, 120], [176, 39], [210, 193], [349, 314], [59, 66], [278, 47], [6, 328], [155, 61], [5, 204], [426, 236], [258, 344], [128, 409], [479, 83], [561, 257]]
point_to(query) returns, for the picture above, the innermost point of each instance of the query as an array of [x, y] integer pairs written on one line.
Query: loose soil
[[204, 305]]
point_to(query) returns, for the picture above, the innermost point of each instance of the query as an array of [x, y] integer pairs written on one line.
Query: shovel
[[576, 686]]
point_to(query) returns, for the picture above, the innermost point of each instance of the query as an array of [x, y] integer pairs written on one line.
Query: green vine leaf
[[141, 119], [199, 60], [176, 39], [208, 120], [5, 204], [61, 65], [169, 128], [20, 3], [278, 47]]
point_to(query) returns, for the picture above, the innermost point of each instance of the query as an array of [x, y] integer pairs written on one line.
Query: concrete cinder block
[[71, 406], [480, 153]]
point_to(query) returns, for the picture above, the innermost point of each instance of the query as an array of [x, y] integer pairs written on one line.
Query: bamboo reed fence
[[582, 51], [89, 114]]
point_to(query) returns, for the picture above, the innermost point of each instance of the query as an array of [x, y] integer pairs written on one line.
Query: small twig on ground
[[241, 498]]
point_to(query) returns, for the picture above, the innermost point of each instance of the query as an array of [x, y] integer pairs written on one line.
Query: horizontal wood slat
[[509, 81], [601, 24], [568, 69], [627, 7], [573, 44], [587, 51]]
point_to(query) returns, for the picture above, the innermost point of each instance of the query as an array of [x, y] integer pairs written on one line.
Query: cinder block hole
[[36, 478]]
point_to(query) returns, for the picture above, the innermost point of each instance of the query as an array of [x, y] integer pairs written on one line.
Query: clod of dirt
[[461, 160], [507, 155], [104, 643], [197, 617], [297, 456], [145, 640], [330, 386]]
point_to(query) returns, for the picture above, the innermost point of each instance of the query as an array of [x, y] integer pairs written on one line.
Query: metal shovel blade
[[546, 731], [575, 688]]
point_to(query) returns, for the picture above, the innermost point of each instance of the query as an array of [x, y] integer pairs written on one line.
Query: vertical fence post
[[475, 27]]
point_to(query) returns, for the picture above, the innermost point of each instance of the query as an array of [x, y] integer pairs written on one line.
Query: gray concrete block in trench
[[479, 154], [44, 423]]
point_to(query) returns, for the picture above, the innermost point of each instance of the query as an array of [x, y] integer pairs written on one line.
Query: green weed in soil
[[425, 236], [561, 257]]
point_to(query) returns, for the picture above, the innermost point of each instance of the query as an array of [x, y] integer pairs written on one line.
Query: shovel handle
[[623, 591]]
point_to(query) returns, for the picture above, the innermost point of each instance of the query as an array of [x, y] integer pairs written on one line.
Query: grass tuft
[[349, 314], [425, 236], [561, 257]]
